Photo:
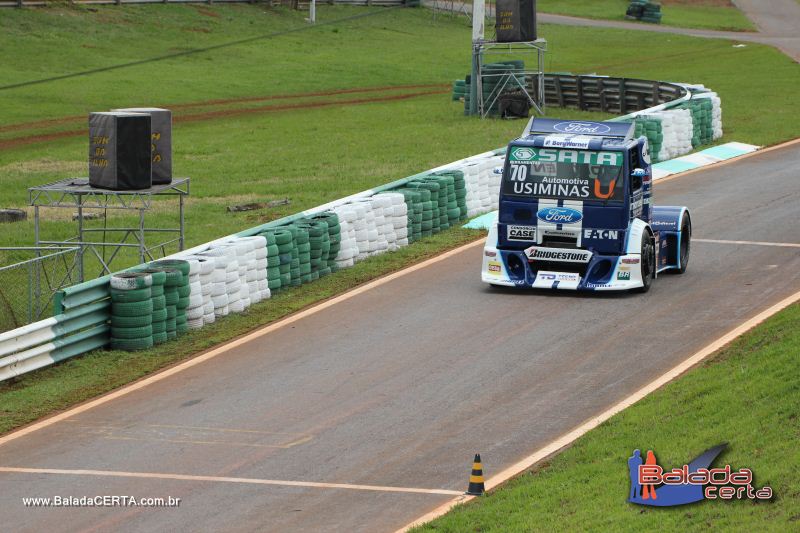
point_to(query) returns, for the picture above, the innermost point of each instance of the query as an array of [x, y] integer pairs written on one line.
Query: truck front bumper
[[511, 268]]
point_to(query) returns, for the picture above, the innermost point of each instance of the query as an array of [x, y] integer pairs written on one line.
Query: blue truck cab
[[576, 212]]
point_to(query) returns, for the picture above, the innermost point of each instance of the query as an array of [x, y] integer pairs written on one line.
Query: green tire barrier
[[180, 284], [132, 308], [173, 280], [134, 295], [131, 321], [137, 332], [159, 315], [334, 238], [131, 311], [645, 11], [130, 280], [132, 345]]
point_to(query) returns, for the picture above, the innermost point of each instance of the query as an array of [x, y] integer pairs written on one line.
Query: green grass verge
[[701, 14], [32, 396], [748, 395]]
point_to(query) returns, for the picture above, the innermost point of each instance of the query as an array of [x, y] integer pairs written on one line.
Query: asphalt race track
[[399, 386]]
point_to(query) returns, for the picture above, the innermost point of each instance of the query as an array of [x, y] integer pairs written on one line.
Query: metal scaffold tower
[[78, 195]]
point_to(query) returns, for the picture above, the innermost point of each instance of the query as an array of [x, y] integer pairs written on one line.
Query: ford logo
[[559, 215], [581, 127]]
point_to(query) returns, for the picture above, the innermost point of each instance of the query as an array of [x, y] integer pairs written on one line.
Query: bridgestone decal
[[535, 253]]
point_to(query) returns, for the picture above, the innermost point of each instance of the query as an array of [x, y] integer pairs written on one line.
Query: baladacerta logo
[[652, 485]]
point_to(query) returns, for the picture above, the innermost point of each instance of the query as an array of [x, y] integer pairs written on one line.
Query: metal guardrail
[[82, 311], [615, 95], [48, 341]]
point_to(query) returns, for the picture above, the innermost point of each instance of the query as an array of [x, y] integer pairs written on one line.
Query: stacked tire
[[159, 316], [207, 278], [301, 255], [319, 246], [428, 209], [282, 239], [273, 262], [361, 230], [181, 287], [131, 311], [431, 214], [255, 261], [334, 237], [413, 200], [347, 217], [459, 90]]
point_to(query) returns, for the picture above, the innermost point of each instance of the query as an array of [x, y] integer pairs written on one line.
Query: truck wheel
[[647, 263], [686, 242]]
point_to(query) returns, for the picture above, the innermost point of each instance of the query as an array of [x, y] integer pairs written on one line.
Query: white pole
[[312, 12], [478, 22], [478, 19]]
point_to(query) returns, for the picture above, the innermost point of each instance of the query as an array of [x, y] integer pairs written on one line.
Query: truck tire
[[647, 263], [686, 242]]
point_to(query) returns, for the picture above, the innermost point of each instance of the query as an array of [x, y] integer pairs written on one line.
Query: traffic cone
[[476, 487]]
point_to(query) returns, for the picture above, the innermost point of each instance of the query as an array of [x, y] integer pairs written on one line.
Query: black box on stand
[[515, 21], [160, 141], [119, 151]]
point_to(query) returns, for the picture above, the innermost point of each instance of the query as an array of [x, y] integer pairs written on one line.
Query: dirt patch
[[207, 12], [197, 30], [41, 137], [334, 92], [302, 105]]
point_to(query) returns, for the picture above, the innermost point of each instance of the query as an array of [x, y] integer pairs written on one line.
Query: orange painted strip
[[222, 479]]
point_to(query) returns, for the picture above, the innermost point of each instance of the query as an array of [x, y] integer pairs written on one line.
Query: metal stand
[[451, 7], [78, 194], [529, 79]]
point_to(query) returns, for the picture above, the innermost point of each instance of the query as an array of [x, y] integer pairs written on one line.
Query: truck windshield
[[563, 174]]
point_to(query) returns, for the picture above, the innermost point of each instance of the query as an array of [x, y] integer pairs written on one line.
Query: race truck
[[576, 212]]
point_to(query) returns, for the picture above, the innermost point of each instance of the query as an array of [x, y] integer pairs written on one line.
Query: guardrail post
[[30, 293], [579, 89], [601, 92], [559, 93]]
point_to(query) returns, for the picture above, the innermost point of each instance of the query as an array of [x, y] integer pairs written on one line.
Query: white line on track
[[218, 479], [755, 243]]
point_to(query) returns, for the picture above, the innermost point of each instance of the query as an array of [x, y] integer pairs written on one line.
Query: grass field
[[249, 150], [748, 394], [703, 14]]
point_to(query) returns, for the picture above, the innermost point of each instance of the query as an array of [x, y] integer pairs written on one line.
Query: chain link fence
[[29, 277]]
